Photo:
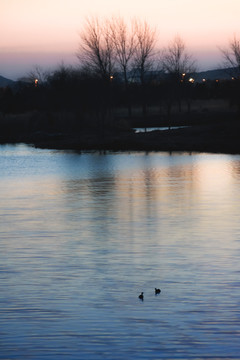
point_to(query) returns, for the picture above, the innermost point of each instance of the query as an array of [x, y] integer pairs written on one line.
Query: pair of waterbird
[[157, 291]]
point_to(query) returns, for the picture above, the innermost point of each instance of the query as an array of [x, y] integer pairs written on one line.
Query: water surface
[[162, 128], [81, 235]]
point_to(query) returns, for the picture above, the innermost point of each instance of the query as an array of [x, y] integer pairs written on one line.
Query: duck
[[157, 291], [141, 296]]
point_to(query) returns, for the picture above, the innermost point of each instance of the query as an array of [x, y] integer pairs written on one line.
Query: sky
[[45, 33]]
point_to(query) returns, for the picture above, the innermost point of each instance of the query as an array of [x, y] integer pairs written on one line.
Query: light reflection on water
[[83, 234]]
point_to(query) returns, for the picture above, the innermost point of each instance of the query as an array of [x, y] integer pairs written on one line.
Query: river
[[82, 235]]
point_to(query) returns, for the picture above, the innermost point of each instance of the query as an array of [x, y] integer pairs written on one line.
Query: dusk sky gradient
[[46, 32]]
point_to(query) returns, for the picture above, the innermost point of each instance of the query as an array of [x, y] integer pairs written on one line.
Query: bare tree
[[124, 41], [176, 61], [178, 64], [232, 57], [38, 75], [97, 57], [145, 48], [144, 56], [96, 51]]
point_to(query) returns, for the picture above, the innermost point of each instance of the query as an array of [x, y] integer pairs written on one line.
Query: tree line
[[114, 46], [120, 67]]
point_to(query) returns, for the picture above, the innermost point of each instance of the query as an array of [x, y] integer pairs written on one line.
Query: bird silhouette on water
[[157, 291], [141, 296]]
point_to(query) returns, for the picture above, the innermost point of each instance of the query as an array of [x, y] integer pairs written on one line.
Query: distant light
[[36, 82], [217, 80], [204, 80], [191, 80], [233, 78], [111, 77], [183, 78]]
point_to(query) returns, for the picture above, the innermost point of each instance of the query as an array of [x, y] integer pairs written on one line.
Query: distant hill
[[218, 74], [6, 82]]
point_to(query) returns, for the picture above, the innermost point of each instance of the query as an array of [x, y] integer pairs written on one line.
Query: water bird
[[157, 291], [141, 296]]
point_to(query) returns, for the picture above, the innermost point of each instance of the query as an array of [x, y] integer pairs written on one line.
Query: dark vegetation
[[121, 84]]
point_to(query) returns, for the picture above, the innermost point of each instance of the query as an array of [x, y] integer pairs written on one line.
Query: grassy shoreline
[[216, 138], [214, 129]]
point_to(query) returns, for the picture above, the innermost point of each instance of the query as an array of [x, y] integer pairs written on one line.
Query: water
[[82, 235], [149, 129]]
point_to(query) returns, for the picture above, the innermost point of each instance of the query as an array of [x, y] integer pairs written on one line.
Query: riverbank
[[214, 128], [220, 137]]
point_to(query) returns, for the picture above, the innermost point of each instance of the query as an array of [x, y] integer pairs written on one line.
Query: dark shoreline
[[220, 137]]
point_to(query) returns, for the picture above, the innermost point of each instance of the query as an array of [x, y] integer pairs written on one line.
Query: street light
[[183, 77]]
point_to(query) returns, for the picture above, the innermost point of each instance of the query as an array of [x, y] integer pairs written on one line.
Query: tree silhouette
[[178, 64], [144, 55], [124, 41], [145, 49], [231, 57], [176, 61], [38, 73], [96, 52]]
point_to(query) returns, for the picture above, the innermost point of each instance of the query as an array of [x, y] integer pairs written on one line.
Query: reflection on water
[[83, 234], [162, 128]]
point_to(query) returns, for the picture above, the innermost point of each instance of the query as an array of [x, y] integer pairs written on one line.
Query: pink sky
[[46, 32]]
